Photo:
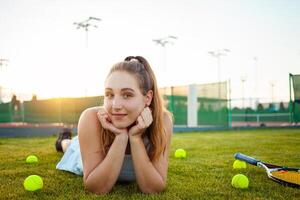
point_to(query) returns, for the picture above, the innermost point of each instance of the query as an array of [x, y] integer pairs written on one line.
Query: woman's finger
[[103, 121], [148, 116], [141, 122], [106, 123], [144, 115]]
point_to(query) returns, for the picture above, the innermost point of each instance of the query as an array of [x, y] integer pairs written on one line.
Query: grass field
[[205, 174]]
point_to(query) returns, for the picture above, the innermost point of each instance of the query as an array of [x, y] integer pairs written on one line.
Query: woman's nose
[[116, 104]]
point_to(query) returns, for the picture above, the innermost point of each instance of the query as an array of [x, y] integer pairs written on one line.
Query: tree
[[260, 107], [271, 107], [281, 107]]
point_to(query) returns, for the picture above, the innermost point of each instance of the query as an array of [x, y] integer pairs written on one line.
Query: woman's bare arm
[[100, 172], [151, 176]]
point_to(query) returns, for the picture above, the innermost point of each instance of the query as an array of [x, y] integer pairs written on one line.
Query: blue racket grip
[[247, 159]]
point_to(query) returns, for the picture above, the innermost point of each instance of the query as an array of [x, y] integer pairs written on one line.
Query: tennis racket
[[284, 175]]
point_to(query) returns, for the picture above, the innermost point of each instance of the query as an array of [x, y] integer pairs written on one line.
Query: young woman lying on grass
[[125, 140]]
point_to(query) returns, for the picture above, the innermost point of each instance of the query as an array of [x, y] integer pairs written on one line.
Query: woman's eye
[[109, 95], [126, 96]]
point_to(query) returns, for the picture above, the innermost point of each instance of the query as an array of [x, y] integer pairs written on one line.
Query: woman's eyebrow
[[127, 89], [122, 90]]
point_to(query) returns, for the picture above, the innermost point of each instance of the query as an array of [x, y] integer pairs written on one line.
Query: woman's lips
[[118, 115]]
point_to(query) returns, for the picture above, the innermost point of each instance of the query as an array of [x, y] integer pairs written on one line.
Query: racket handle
[[247, 159]]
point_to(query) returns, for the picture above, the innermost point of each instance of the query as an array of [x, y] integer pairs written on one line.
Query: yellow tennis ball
[[180, 153], [33, 183], [240, 181], [238, 164], [31, 159]]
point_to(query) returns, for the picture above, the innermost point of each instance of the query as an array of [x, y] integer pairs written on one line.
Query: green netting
[[212, 104], [296, 86], [211, 107], [295, 103], [66, 110], [42, 111], [6, 112], [212, 112], [296, 115], [175, 99], [73, 107], [248, 111]]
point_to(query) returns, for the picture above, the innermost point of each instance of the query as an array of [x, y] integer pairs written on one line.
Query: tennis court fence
[[197, 105]]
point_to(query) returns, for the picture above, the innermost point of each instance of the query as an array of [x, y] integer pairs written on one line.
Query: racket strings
[[287, 176]]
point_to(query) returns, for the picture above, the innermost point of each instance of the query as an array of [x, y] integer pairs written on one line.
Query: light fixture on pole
[[86, 24], [3, 62], [166, 40]]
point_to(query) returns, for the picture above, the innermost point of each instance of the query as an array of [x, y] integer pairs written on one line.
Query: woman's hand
[[107, 124], [144, 120]]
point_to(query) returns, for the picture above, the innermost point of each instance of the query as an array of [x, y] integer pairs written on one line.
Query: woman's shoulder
[[168, 122], [89, 114], [88, 132], [168, 117], [88, 119], [90, 111]]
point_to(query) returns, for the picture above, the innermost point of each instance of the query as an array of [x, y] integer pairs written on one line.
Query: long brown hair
[[140, 68]]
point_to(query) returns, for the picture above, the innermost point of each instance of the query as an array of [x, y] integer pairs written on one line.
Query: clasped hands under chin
[[144, 120]]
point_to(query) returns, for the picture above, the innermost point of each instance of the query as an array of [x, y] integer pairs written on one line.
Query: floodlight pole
[[255, 59], [243, 79], [86, 24], [163, 42], [217, 54], [272, 91], [3, 62]]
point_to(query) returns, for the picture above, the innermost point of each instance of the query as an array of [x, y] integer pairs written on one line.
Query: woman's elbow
[[158, 188], [97, 188]]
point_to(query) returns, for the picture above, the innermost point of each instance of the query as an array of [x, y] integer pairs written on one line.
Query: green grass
[[205, 174]]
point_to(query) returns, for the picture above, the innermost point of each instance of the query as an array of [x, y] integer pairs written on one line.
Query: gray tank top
[[127, 173]]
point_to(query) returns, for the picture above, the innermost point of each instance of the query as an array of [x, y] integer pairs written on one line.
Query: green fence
[[175, 99], [62, 110], [210, 104], [256, 113], [294, 81], [42, 111], [71, 109], [6, 112], [213, 104], [212, 112]]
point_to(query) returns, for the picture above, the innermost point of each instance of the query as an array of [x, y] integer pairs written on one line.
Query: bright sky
[[48, 55]]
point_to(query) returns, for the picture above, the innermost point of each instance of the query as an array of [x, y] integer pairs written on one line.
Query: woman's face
[[123, 99]]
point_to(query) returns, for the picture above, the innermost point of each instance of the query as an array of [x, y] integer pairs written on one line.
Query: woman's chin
[[122, 125]]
